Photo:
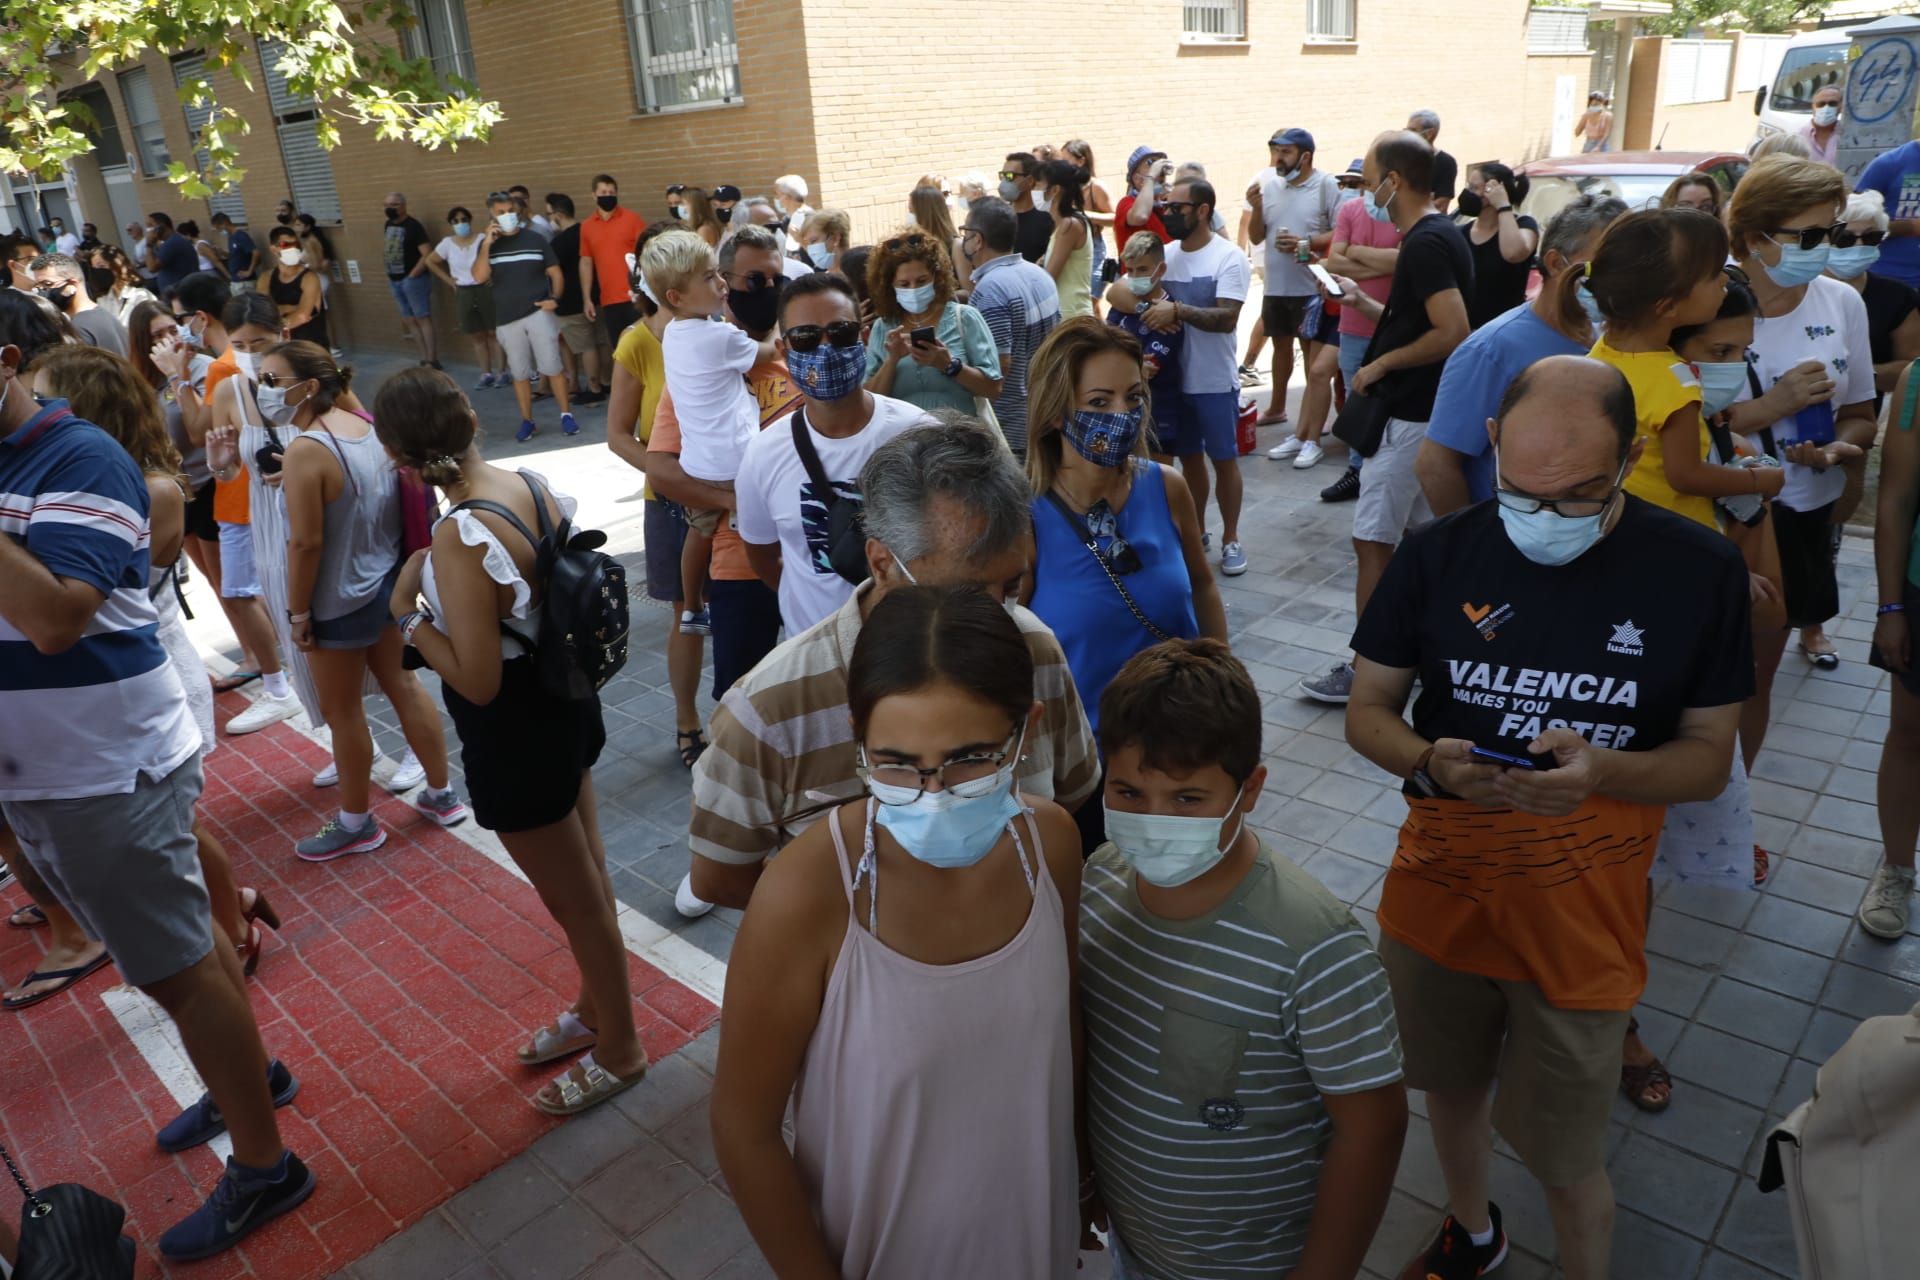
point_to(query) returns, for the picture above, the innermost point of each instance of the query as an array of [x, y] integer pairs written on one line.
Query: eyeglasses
[[280, 380], [806, 337], [1102, 523], [1176, 204], [967, 778], [1012, 175], [1806, 237], [1569, 508], [1845, 239]]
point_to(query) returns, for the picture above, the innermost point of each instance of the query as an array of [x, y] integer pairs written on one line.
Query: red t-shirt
[[1124, 231], [608, 241]]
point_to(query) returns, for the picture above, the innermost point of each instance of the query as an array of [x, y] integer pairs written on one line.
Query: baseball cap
[[1293, 138], [724, 194], [1144, 153]]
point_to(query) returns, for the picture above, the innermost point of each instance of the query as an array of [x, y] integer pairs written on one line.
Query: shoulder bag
[[68, 1232], [846, 530], [1362, 421]]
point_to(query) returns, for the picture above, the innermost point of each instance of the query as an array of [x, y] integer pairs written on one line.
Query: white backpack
[[1849, 1158]]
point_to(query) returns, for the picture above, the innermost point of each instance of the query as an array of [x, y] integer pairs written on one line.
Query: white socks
[[353, 821], [275, 684]]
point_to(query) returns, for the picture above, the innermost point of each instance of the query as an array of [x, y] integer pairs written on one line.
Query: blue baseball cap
[[1144, 152], [1357, 168], [1293, 138]]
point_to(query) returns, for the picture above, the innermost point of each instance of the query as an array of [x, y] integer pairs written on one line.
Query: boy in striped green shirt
[[1243, 1099]]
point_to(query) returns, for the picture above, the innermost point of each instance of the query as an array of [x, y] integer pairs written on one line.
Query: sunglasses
[[1102, 523], [1845, 239], [807, 337], [1012, 175], [912, 240], [1806, 237]]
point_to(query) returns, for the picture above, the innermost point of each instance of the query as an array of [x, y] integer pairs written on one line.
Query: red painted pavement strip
[[398, 992]]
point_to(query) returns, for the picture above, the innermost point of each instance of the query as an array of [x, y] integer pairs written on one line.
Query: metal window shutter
[[284, 100], [1557, 30], [309, 171], [186, 68], [136, 91]]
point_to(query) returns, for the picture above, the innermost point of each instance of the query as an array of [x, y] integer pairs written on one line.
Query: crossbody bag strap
[[1079, 525], [40, 1207], [1765, 433], [810, 458]]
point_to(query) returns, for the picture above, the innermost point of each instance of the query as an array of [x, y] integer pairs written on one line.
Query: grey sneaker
[[1233, 561], [1883, 912], [1335, 686], [336, 841], [443, 807]]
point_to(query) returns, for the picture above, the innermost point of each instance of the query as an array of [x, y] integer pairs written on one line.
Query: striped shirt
[[94, 718], [783, 746], [1021, 305], [1208, 1044]]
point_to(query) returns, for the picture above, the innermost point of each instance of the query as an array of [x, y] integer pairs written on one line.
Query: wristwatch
[[953, 370], [1422, 781], [1140, 307]]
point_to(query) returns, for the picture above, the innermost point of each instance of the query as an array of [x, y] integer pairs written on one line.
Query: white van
[[1813, 60]]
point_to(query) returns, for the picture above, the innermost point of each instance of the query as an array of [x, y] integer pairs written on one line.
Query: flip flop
[[28, 917], [238, 680], [601, 1085], [67, 978]]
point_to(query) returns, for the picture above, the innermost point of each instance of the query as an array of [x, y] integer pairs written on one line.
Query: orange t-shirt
[[608, 241], [232, 500], [1558, 902], [773, 392]]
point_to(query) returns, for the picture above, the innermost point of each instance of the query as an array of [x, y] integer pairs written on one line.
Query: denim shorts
[[414, 295], [239, 573]]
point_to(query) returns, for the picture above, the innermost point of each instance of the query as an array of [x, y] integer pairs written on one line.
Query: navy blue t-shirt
[[177, 260]]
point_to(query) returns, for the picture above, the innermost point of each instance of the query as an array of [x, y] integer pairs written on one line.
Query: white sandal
[[566, 1037], [601, 1084]]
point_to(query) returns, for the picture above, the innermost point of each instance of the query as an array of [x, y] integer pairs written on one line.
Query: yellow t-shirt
[[639, 353], [1663, 384]]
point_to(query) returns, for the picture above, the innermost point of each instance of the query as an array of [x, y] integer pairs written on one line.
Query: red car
[[1638, 177]]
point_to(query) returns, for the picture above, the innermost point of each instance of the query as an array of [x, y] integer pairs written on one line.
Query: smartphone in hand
[[1529, 761], [923, 336], [1325, 279]]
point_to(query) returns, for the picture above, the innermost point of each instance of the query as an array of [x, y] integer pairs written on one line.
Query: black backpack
[[582, 640], [846, 527]]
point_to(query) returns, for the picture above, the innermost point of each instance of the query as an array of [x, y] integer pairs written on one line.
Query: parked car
[[1638, 177]]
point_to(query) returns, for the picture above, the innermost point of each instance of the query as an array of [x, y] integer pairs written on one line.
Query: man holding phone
[[1513, 920]]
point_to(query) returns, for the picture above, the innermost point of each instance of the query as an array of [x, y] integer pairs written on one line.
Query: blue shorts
[[1167, 424], [1211, 427], [1353, 353], [413, 295]]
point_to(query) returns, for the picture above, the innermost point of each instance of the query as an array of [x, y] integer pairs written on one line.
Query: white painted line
[[153, 1034]]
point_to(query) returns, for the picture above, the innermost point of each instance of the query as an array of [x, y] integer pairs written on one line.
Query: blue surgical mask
[[1104, 439], [1825, 116], [1721, 384], [509, 222], [828, 372], [1849, 263], [820, 255], [1588, 305], [952, 827], [1377, 211], [463, 229], [916, 300], [1797, 266], [1549, 538], [1169, 851], [1142, 285]]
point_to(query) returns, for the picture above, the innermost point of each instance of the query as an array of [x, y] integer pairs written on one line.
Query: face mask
[[1142, 285], [1009, 191], [828, 372], [509, 222], [1178, 225], [916, 300], [609, 203], [1548, 538], [1375, 210], [463, 229], [248, 363], [1170, 851], [1797, 266], [757, 310], [393, 215], [819, 255], [1104, 439], [273, 405], [948, 828], [1720, 383], [1850, 262], [192, 331], [1470, 204], [1349, 193], [289, 257], [1824, 116], [1588, 305]]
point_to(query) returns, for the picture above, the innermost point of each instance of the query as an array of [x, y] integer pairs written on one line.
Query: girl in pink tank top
[[926, 1032]]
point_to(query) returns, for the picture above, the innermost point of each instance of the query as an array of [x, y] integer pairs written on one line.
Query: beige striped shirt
[[783, 749]]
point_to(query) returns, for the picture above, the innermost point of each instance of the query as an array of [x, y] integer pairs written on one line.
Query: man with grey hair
[[1455, 462], [1446, 170], [59, 279], [759, 213], [790, 189], [1017, 299], [945, 505]]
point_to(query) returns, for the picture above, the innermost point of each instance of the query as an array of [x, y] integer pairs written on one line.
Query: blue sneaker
[[202, 1122], [525, 433], [242, 1202], [1233, 561], [568, 425]]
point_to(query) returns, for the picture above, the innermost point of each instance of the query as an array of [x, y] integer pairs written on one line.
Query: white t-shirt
[[1307, 209], [1206, 277], [67, 242], [460, 261], [1829, 325], [777, 504], [707, 363]]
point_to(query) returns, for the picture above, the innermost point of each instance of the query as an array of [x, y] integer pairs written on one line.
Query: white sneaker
[[407, 774], [1884, 911], [1310, 453], [265, 710], [687, 903], [1287, 448], [329, 776]]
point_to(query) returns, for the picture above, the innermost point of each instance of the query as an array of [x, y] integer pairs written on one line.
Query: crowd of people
[[940, 505]]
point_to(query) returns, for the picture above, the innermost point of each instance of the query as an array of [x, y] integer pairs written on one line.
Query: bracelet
[[410, 623], [297, 618], [1896, 607]]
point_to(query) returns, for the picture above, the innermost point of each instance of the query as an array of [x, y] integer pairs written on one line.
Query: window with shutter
[[296, 120], [187, 68], [439, 33], [684, 53], [1556, 30], [1331, 21], [143, 116], [1214, 19]]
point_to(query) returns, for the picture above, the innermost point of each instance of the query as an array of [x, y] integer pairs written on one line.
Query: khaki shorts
[[583, 335], [705, 520], [1391, 500], [1557, 1068]]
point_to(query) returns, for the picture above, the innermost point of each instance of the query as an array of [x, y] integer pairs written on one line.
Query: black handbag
[[846, 529], [70, 1233], [1362, 422]]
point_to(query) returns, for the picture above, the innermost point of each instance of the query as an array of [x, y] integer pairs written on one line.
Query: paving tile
[[505, 1200], [1674, 986], [1759, 1230], [1787, 970], [1900, 958], [702, 1232], [1796, 925], [1693, 942], [1346, 878], [1704, 1123], [1670, 1186], [749, 1265], [1718, 904], [670, 1087], [558, 1245], [1726, 1064], [640, 1187], [1847, 816], [1755, 1014], [1826, 1032], [690, 1136], [1797, 771], [585, 1144], [1831, 849], [626, 1264], [1861, 785], [1863, 993], [432, 1246], [1813, 886], [1365, 838], [1795, 1087], [1643, 1247], [1724, 1266], [702, 1051], [1782, 801]]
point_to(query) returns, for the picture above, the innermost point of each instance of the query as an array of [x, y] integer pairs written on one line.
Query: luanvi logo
[[1627, 639], [1487, 619]]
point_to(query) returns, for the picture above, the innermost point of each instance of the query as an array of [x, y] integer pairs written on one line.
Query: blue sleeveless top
[[1077, 600]]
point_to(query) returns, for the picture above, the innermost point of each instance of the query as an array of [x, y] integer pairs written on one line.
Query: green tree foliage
[[329, 55], [1690, 16]]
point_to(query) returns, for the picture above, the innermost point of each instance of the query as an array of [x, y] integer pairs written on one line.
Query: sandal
[[564, 1038], [1823, 659], [238, 680], [1637, 1081], [601, 1084], [28, 917], [66, 978], [1762, 867], [693, 745]]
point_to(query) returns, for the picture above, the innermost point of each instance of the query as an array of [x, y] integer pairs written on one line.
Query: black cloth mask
[[757, 309]]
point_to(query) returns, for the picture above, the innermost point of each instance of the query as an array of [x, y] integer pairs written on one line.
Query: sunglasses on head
[[911, 240], [807, 337]]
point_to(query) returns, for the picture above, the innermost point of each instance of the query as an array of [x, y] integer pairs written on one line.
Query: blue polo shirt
[[93, 719], [1476, 377]]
